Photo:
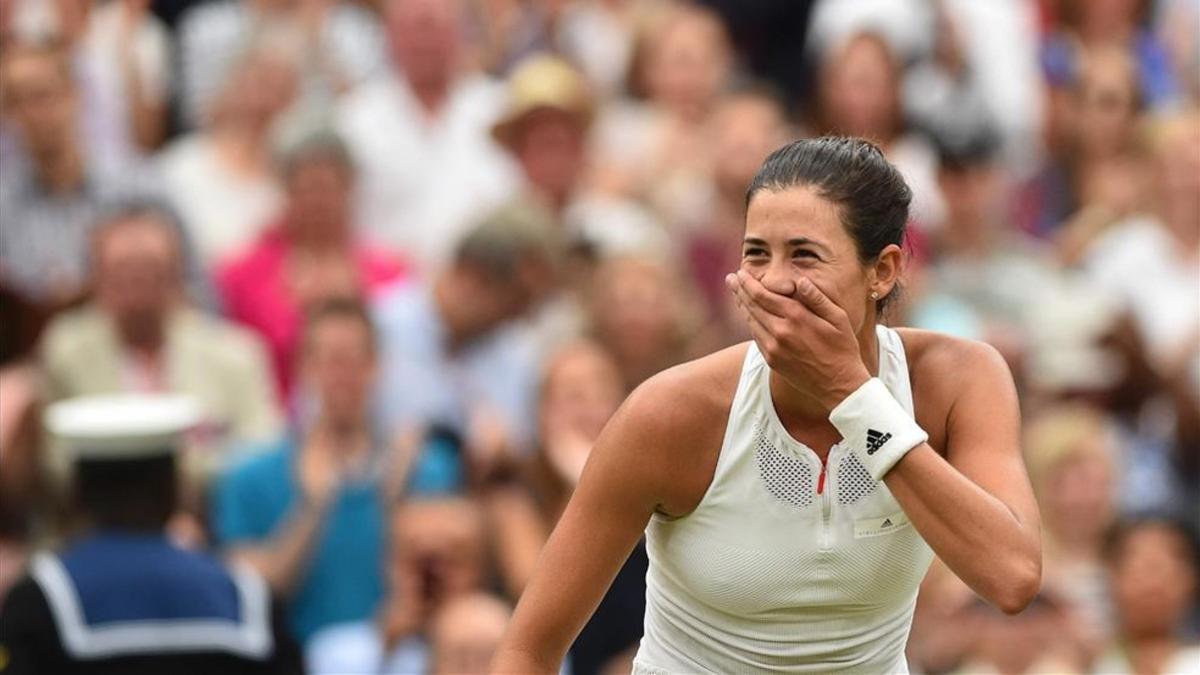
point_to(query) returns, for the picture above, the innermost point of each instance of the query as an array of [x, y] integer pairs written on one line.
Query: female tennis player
[[794, 489]]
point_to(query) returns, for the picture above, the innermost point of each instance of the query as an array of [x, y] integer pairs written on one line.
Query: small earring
[[874, 295]]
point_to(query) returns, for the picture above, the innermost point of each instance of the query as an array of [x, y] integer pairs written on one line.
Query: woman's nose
[[778, 279]]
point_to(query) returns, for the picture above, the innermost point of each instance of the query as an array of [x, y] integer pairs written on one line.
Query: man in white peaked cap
[[120, 597]]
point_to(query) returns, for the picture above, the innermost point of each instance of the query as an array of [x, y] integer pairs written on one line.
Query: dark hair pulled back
[[871, 194]]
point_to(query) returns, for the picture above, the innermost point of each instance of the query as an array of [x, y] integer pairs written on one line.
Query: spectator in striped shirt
[[52, 194]]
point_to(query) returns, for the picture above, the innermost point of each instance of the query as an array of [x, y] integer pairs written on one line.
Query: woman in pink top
[[310, 255]]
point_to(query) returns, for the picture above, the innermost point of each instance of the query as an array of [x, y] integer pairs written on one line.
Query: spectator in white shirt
[[339, 43], [420, 135], [1148, 263], [222, 178], [124, 55], [120, 55], [51, 196]]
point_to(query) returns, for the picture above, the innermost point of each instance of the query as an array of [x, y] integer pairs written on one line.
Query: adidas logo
[[887, 522], [875, 440]]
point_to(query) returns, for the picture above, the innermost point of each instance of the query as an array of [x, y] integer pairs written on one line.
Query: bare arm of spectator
[[518, 527], [147, 108], [519, 532], [1111, 193], [1181, 385], [406, 447], [283, 557], [518, 519]]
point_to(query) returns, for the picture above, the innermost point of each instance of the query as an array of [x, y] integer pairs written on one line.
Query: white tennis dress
[[786, 565]]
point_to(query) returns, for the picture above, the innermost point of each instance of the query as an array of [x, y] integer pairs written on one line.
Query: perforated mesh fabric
[[787, 478], [760, 577], [853, 480]]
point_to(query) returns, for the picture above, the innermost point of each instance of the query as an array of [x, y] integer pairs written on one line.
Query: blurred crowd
[[410, 255]]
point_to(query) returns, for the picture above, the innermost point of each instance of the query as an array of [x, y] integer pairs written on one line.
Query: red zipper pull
[[821, 478]]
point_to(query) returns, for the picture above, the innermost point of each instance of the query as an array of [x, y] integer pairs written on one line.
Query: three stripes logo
[[875, 440]]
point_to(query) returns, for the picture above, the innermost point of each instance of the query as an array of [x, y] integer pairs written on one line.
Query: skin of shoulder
[[936, 364], [678, 417]]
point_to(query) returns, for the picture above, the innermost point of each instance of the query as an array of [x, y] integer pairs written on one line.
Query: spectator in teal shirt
[[309, 513]]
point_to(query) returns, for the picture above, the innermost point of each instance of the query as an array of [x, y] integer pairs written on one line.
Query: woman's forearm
[[518, 662], [973, 532]]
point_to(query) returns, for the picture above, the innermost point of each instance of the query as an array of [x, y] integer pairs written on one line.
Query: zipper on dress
[[826, 505]]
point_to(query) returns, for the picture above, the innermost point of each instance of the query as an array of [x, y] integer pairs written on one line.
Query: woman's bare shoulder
[[692, 393], [938, 366], [934, 355], [677, 421]]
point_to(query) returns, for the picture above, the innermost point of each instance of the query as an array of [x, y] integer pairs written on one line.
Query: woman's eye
[[805, 253], [754, 252]]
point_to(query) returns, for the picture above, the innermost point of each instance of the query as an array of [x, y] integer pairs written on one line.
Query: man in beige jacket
[[138, 334]]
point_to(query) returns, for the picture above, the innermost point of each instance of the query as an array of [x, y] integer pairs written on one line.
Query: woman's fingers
[[755, 316], [776, 304], [808, 296], [762, 335], [774, 325], [770, 345], [813, 298]]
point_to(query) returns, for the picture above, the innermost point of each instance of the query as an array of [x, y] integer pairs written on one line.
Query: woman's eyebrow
[[805, 241], [793, 242]]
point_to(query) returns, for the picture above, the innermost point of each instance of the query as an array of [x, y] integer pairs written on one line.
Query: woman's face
[[688, 62], [1079, 497], [319, 194], [583, 389], [258, 90], [1153, 580], [795, 233], [636, 310], [859, 90], [744, 131]]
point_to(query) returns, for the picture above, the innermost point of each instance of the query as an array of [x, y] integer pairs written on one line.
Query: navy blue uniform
[[134, 603]]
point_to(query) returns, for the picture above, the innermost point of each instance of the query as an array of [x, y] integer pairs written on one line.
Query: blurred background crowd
[[410, 255]]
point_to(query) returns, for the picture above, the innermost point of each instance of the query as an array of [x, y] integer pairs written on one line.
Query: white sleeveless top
[[784, 566]]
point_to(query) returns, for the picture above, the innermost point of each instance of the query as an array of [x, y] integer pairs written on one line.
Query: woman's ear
[[887, 270]]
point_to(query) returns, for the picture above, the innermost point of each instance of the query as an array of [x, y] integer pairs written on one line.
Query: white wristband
[[876, 428]]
